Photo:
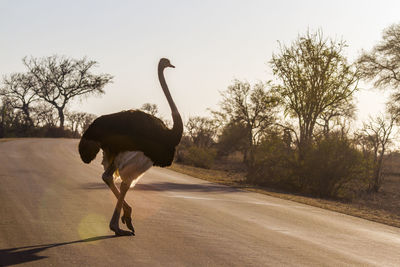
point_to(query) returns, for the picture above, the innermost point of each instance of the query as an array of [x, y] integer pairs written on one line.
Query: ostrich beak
[[172, 66]]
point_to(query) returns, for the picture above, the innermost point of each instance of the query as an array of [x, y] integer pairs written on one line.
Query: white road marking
[[228, 200]]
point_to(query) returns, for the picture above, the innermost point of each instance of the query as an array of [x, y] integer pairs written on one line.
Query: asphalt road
[[55, 210]]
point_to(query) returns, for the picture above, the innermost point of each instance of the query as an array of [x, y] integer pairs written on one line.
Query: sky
[[210, 43]]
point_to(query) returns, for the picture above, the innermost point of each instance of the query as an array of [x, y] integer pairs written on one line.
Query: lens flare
[[92, 225]]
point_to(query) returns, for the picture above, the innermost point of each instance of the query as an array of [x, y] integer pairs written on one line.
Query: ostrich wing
[[133, 130]]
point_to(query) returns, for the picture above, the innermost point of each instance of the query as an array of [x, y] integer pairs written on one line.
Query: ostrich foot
[[120, 232], [128, 221]]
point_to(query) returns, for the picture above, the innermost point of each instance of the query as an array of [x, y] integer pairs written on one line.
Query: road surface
[[55, 210]]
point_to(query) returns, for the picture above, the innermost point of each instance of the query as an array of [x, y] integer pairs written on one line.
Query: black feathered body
[[130, 130]]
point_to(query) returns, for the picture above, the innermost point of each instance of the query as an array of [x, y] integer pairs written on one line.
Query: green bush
[[200, 157], [334, 167], [274, 165]]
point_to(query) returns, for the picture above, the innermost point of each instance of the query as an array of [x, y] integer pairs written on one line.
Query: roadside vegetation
[[381, 207], [295, 133], [292, 137]]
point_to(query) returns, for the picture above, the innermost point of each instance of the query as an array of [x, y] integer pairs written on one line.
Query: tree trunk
[[2, 123], [61, 116], [1, 129], [28, 119], [244, 151], [378, 173], [250, 159]]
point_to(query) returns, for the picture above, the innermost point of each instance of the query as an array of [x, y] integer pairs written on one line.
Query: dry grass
[[2, 140], [383, 207], [215, 176]]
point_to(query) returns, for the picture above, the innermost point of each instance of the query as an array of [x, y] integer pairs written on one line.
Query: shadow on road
[[19, 255], [167, 186]]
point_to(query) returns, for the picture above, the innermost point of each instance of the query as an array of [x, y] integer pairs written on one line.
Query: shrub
[[200, 157], [274, 165], [332, 167], [53, 132]]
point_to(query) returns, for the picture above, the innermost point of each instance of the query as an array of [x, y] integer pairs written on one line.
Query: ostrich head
[[164, 63]]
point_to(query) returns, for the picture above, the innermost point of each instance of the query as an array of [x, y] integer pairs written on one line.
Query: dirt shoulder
[[2, 140], [382, 208]]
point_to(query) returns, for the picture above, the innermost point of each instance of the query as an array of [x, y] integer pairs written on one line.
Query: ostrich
[[132, 141]]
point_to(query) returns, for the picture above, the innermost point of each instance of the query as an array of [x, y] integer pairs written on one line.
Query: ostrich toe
[[120, 232], [128, 222]]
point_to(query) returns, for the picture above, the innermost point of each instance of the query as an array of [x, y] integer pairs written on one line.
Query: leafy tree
[[197, 145], [382, 63], [253, 107], [233, 137], [315, 80], [58, 80]]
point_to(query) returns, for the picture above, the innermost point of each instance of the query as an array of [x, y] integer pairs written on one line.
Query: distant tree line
[[295, 133], [34, 102]]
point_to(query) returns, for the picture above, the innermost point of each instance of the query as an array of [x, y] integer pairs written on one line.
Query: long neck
[[177, 128]]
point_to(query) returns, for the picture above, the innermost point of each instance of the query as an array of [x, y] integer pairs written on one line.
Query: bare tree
[[74, 120], [87, 120], [375, 136], [79, 121], [201, 130], [13, 121], [6, 111], [44, 115], [18, 88], [315, 80], [58, 80], [337, 117]]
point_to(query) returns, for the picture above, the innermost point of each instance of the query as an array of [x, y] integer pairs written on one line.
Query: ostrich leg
[[114, 223], [109, 180]]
